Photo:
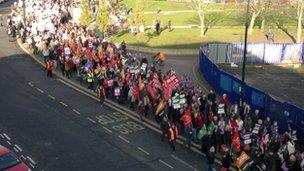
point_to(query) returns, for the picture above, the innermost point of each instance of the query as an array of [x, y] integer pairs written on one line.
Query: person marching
[[161, 57], [173, 133], [101, 95], [90, 80], [49, 68]]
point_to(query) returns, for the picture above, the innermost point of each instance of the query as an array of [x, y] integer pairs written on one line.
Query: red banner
[[151, 91]]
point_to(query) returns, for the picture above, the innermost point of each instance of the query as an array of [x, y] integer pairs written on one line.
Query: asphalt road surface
[[53, 127]]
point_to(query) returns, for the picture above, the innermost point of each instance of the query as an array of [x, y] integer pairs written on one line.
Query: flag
[[211, 126], [202, 132], [236, 142]]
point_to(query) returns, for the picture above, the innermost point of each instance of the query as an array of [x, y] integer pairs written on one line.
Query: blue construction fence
[[223, 82]]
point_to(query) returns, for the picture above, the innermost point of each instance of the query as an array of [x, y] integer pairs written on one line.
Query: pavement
[[53, 125]]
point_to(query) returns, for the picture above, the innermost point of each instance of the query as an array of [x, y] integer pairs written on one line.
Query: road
[[53, 127]]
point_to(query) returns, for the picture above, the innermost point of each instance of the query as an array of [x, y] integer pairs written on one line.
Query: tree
[[85, 18], [138, 15], [256, 8], [103, 19], [200, 6], [299, 5]]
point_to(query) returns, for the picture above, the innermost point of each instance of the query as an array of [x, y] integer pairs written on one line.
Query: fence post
[[264, 49]]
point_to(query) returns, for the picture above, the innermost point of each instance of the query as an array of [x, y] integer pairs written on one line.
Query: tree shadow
[[285, 30]]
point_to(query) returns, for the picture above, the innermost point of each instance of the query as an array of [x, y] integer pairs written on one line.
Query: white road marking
[[64, 104], [18, 147], [32, 165], [6, 136], [127, 141], [74, 110], [9, 142], [22, 157], [29, 83], [144, 151], [91, 120], [52, 97], [41, 91], [168, 165], [1, 136], [31, 160], [107, 129], [185, 163]]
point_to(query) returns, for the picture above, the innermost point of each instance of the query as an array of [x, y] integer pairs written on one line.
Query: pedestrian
[[226, 158], [164, 127], [49, 68], [210, 158], [169, 25], [90, 80], [173, 133], [157, 26], [1, 20], [101, 94]]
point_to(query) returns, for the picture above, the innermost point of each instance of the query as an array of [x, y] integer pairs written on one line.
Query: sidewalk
[[73, 83]]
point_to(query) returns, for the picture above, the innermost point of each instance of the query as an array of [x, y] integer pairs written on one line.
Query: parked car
[[10, 162]]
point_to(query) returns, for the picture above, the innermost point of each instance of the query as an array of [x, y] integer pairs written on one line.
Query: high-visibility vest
[[90, 77]]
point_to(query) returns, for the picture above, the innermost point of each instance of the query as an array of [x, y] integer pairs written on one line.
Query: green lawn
[[228, 26], [190, 39]]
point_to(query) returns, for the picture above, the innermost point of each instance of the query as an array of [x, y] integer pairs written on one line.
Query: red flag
[[236, 142]]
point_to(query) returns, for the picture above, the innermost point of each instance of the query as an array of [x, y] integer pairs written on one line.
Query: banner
[[202, 132], [241, 160], [117, 92], [151, 91], [211, 127]]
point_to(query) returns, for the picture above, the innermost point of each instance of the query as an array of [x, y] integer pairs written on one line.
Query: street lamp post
[[245, 55]]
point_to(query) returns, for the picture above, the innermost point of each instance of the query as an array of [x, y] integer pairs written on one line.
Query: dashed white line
[[144, 151], [64, 104], [127, 141], [168, 165], [74, 110], [91, 120], [29, 83], [1, 136], [50, 96], [9, 142], [31, 160], [107, 129], [22, 157], [41, 91], [18, 147], [182, 161], [32, 165], [6, 136]]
